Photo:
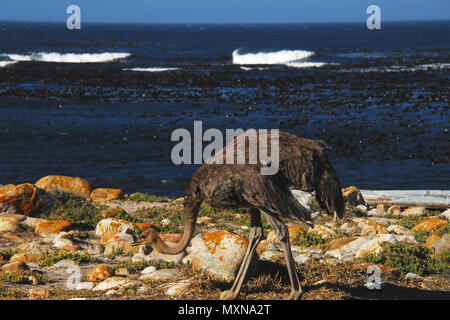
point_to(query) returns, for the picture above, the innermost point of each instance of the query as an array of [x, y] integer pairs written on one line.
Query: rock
[[52, 227], [62, 240], [415, 212], [8, 225], [446, 214], [177, 258], [293, 232], [178, 288], [32, 222], [394, 210], [100, 273], [398, 229], [85, 286], [158, 275], [353, 196], [204, 220], [113, 224], [373, 246], [38, 294], [64, 264], [323, 231], [114, 283], [15, 267], [265, 245], [337, 243], [362, 207], [273, 256], [350, 228], [65, 185], [411, 275], [71, 248], [218, 253], [439, 245], [430, 224], [104, 194], [369, 227], [362, 246], [12, 236], [122, 272], [171, 237], [376, 212], [165, 222], [148, 270], [24, 257], [187, 260], [22, 199], [382, 207]]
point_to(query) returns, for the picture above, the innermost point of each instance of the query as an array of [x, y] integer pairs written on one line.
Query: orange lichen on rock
[[61, 184], [104, 194], [171, 237], [213, 240], [22, 199], [52, 227], [100, 273], [337, 243], [430, 225]]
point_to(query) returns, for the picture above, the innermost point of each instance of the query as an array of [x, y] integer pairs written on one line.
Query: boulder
[[376, 212], [114, 283], [337, 243], [100, 273], [446, 214], [104, 194], [415, 212], [398, 229], [15, 267], [430, 224], [369, 227], [353, 196], [178, 288], [112, 224], [293, 232], [382, 207], [38, 294], [62, 240], [394, 210], [350, 228], [218, 253], [56, 185], [323, 231], [52, 227], [160, 275], [22, 199]]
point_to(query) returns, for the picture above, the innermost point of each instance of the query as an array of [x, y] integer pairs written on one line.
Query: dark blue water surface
[[378, 98]]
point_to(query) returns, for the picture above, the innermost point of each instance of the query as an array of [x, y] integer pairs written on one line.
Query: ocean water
[[101, 102]]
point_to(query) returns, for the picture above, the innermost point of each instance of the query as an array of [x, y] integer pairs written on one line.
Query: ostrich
[[303, 164]]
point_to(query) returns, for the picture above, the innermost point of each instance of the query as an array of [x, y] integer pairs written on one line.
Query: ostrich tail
[[190, 219], [329, 193]]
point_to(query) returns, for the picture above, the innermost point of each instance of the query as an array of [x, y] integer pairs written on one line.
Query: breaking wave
[[68, 57], [277, 57], [6, 63], [305, 64], [151, 69]]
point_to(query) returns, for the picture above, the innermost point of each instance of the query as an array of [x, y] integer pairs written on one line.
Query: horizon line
[[226, 23]]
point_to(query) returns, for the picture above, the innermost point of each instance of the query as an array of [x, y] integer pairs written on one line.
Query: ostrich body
[[303, 164]]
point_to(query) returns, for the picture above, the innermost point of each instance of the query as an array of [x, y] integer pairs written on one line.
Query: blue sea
[[101, 102]]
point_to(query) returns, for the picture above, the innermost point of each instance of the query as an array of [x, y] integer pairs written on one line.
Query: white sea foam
[[250, 69], [151, 69], [305, 64], [277, 57], [422, 67], [6, 63], [68, 57]]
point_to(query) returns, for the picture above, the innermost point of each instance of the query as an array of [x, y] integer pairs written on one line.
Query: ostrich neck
[[190, 219]]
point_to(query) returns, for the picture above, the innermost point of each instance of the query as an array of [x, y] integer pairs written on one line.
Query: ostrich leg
[[283, 235], [256, 234]]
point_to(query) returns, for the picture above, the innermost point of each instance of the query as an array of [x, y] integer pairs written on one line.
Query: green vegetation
[[82, 214], [408, 221], [134, 267], [49, 259], [308, 239], [22, 277], [407, 257], [144, 197]]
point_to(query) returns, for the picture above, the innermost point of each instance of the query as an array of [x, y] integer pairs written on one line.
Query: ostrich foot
[[295, 295], [228, 295]]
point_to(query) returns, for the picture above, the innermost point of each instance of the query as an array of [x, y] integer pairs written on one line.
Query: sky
[[223, 11]]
